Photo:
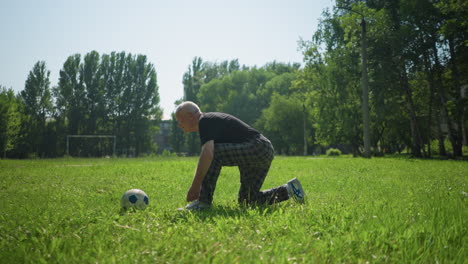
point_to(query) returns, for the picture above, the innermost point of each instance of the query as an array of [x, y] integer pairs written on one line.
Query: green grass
[[382, 210]]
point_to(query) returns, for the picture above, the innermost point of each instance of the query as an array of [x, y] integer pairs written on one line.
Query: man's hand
[[193, 193]]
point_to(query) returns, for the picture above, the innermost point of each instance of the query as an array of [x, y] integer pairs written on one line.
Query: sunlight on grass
[[357, 210]]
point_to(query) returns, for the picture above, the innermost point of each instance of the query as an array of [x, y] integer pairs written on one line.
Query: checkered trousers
[[253, 158]]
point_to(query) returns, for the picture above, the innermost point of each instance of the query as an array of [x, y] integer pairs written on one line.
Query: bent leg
[[209, 182], [252, 179]]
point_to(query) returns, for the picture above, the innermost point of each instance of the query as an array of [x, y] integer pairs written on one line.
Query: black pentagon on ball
[[133, 198], [146, 200]]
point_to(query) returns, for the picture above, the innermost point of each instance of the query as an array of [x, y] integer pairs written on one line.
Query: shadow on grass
[[411, 157], [221, 211]]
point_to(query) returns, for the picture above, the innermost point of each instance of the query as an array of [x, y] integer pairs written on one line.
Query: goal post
[[91, 136]]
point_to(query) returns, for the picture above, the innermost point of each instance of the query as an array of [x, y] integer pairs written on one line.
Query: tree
[[198, 74], [192, 81], [282, 123], [70, 96], [333, 78], [37, 106], [113, 94], [91, 75], [403, 40], [245, 93], [10, 120], [137, 97], [454, 30], [177, 135], [145, 113]]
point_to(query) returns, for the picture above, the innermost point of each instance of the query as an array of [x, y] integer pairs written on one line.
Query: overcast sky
[[170, 33]]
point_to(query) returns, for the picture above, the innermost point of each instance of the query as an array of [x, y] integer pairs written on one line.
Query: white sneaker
[[295, 190], [195, 206]]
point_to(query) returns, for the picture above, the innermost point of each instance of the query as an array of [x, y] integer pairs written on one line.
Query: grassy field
[[382, 210]]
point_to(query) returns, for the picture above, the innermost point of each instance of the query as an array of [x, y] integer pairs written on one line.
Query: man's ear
[[191, 115]]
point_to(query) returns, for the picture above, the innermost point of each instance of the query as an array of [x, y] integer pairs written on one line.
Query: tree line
[[417, 77], [113, 94], [417, 70]]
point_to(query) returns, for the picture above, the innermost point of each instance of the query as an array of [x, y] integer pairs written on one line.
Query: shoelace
[[296, 191]]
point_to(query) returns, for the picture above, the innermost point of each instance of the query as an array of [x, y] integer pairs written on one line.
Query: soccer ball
[[134, 198]]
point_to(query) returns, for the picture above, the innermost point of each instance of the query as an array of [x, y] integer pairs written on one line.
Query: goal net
[[91, 145]]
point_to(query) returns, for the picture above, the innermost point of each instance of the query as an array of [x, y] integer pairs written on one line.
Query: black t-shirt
[[224, 128]]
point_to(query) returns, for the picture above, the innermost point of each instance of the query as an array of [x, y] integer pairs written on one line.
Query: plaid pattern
[[253, 158]]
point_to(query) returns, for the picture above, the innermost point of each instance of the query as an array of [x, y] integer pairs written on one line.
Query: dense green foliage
[[333, 152], [114, 94], [10, 120], [417, 70], [381, 210], [246, 93]]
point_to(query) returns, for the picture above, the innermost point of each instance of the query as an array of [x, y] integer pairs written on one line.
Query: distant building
[[162, 138]]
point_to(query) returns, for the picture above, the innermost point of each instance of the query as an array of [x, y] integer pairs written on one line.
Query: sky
[[170, 33]]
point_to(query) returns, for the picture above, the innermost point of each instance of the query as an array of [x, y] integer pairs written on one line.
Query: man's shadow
[[222, 211]]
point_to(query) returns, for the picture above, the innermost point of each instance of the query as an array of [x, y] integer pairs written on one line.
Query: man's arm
[[204, 162]]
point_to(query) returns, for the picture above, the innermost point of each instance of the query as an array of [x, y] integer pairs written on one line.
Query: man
[[228, 141]]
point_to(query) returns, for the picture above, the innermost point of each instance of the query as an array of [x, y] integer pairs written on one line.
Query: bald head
[[187, 115], [187, 107]]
